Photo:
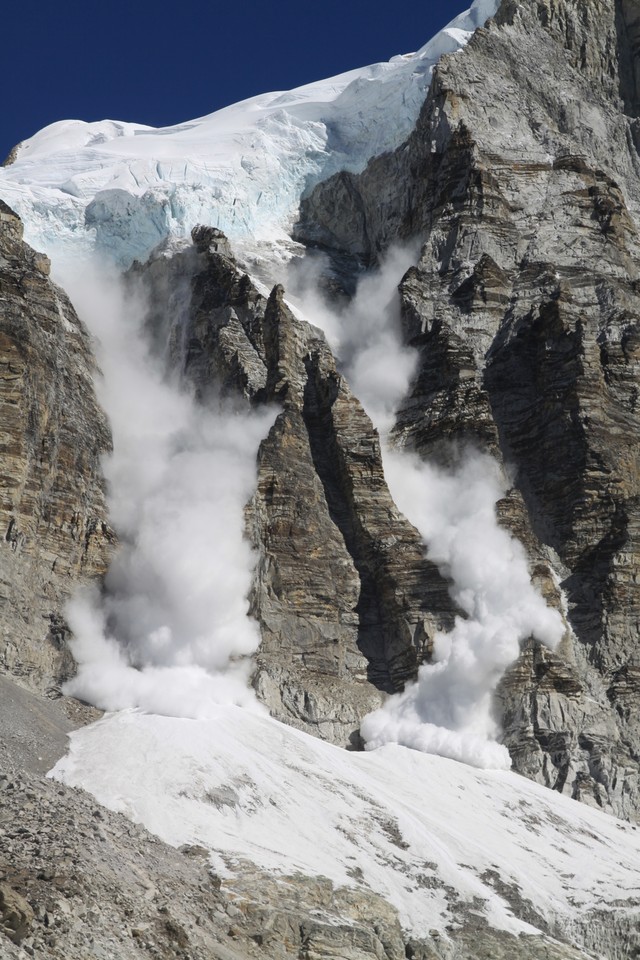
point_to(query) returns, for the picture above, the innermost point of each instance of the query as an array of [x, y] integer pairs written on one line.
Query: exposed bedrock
[[522, 179], [53, 517], [346, 601]]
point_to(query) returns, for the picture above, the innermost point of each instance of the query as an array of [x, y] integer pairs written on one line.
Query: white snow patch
[[407, 825]]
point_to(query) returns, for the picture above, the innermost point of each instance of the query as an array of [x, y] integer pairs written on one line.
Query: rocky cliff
[[523, 308], [77, 878], [53, 515], [522, 182], [346, 601]]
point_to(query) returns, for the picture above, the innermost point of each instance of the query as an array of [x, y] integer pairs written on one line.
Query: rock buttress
[[52, 502], [346, 602]]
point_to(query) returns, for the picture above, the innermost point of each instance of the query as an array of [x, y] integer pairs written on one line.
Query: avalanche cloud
[[448, 711], [170, 631]]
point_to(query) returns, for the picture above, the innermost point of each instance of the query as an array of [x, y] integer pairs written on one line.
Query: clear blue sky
[[161, 63]]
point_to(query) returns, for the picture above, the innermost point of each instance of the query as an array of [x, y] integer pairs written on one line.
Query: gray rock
[[523, 180], [11, 156], [53, 515], [210, 239], [346, 602], [16, 916]]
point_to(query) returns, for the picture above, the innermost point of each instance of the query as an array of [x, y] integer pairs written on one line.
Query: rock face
[[52, 506], [16, 916], [525, 310], [522, 180], [346, 601]]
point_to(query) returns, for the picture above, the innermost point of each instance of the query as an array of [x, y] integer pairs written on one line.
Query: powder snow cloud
[[448, 711], [170, 632]]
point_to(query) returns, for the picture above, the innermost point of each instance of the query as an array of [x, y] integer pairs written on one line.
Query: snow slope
[[124, 187], [427, 833]]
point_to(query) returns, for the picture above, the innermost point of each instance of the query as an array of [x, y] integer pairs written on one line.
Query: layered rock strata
[[53, 515], [346, 601], [522, 179]]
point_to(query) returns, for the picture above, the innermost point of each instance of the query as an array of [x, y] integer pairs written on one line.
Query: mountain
[[54, 512], [324, 438], [134, 185]]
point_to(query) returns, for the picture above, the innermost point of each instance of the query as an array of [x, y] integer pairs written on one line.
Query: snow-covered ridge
[[124, 187]]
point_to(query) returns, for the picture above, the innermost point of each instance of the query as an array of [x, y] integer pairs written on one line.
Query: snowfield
[[124, 187], [430, 835]]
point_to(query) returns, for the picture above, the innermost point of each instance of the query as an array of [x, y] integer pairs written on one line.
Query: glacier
[[121, 188]]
